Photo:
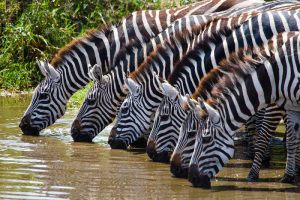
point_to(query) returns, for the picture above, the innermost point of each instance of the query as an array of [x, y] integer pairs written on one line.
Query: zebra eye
[[91, 101], [43, 96], [192, 133]]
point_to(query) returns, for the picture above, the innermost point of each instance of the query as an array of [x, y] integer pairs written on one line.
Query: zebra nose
[[117, 144], [151, 149], [76, 124], [26, 126], [26, 121], [176, 169], [78, 134], [112, 134], [163, 156], [197, 179]]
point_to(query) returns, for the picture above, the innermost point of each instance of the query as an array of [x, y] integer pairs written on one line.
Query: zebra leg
[[250, 129], [292, 135], [267, 125]]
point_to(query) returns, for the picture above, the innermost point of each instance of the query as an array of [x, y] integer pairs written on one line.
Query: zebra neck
[[246, 98], [73, 78]]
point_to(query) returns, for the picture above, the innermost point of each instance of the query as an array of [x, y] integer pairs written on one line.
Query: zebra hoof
[[178, 171], [197, 179], [117, 144], [287, 179]]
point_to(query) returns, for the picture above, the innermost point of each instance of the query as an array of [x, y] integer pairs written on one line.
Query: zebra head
[[97, 110], [168, 119], [48, 102], [182, 154], [136, 113], [213, 147]]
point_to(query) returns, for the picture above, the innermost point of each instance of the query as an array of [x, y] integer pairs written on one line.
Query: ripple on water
[[52, 166]]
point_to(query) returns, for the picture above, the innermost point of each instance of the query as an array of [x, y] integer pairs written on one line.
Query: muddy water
[[53, 167]]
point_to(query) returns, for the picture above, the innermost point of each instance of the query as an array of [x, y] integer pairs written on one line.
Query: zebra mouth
[[163, 157], [117, 144], [81, 136], [178, 171], [28, 130], [198, 179]]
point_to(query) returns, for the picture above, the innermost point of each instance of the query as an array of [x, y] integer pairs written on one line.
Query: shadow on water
[[51, 166]]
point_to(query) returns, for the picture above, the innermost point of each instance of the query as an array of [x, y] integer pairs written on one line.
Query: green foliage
[[38, 28]]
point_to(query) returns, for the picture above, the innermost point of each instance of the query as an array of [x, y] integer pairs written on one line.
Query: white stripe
[[125, 31], [168, 17], [272, 23], [215, 7], [270, 72], [157, 21], [136, 27], [180, 10], [259, 90], [197, 8], [146, 25], [117, 43]]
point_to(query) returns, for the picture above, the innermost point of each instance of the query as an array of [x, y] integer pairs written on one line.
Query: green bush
[[38, 28]]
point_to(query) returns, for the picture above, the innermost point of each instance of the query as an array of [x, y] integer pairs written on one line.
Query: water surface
[[51, 166]]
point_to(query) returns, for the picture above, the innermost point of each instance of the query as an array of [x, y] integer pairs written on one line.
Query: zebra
[[68, 70], [100, 105], [262, 78], [152, 98]]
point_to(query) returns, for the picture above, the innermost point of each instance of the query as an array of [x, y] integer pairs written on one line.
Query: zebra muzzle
[[78, 134], [26, 126], [198, 179]]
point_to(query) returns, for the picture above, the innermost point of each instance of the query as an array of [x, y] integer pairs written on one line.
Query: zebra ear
[[133, 87], [169, 90], [95, 72], [41, 67], [50, 70], [212, 113]]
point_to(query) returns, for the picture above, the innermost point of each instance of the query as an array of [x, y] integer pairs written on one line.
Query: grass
[[78, 97], [31, 28]]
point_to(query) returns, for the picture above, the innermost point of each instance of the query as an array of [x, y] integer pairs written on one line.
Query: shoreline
[[11, 93]]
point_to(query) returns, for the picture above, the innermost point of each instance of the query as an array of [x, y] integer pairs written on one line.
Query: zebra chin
[[198, 179]]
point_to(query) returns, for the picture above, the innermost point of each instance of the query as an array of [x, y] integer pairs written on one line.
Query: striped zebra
[[248, 82], [100, 105], [68, 71], [131, 125]]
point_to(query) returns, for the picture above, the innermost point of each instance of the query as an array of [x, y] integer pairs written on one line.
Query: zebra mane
[[167, 45], [223, 79], [161, 49], [90, 35]]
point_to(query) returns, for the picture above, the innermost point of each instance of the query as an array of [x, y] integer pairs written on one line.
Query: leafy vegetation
[[38, 28]]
